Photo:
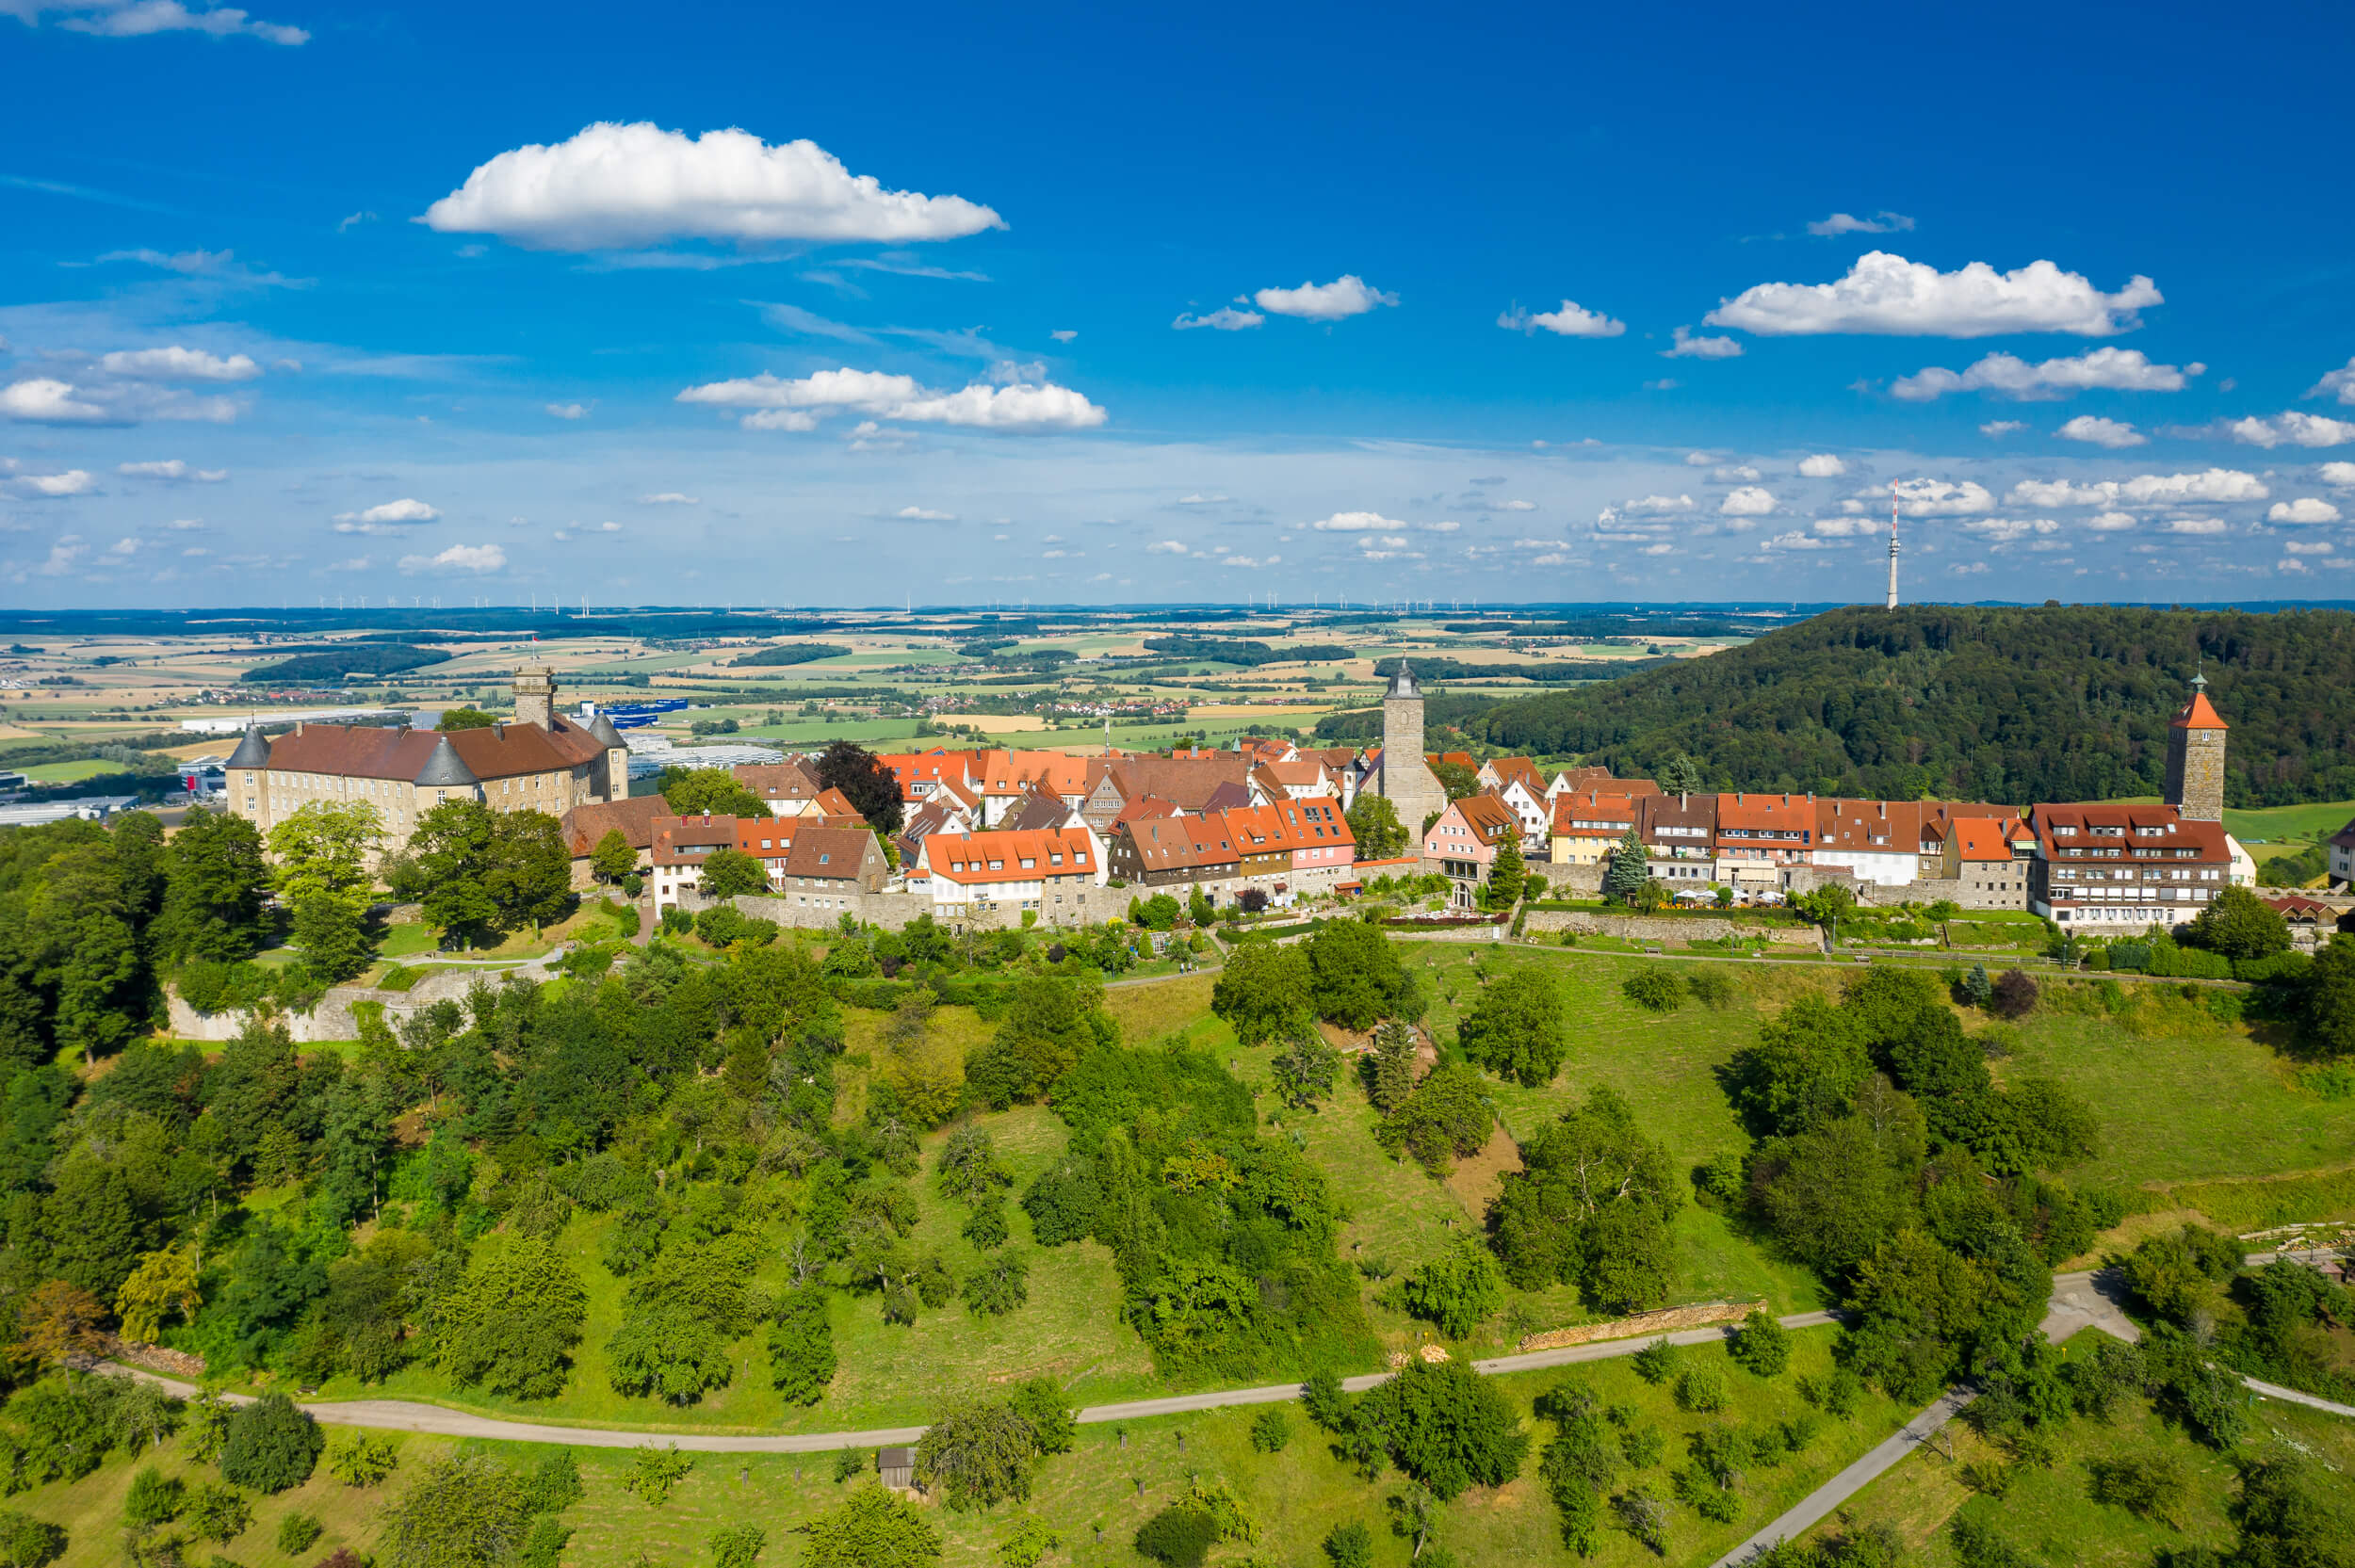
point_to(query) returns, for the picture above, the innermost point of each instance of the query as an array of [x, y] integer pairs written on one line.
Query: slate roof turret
[[253, 750], [445, 769]]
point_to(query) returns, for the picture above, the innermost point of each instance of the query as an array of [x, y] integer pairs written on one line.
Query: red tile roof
[[2198, 714], [975, 859], [585, 826]]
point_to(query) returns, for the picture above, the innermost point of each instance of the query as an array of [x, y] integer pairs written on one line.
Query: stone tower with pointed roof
[[1406, 780], [2194, 757]]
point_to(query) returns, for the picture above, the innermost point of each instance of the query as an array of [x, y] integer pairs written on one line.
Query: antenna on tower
[[1892, 544]]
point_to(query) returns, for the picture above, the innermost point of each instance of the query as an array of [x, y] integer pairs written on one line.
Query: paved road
[[1819, 1503], [2089, 1300]]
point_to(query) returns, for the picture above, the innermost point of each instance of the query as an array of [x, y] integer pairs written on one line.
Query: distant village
[[992, 836]]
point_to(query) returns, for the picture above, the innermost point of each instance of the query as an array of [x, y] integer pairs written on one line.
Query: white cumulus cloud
[[1224, 319], [1994, 427], [1687, 347], [1843, 223], [176, 363], [74, 481], [2290, 429], [2110, 522], [141, 18], [1345, 296], [667, 498], [1646, 505], [1939, 498], [1821, 465], [2107, 369], [2113, 433], [2214, 484], [171, 468], [2340, 473], [1888, 294], [2305, 508], [617, 186], [1572, 320], [406, 510], [1747, 501], [925, 514], [1357, 522], [2339, 383], [569, 411], [459, 557], [779, 404], [2195, 525]]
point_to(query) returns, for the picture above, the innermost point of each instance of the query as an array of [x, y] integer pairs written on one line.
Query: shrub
[[2150, 1486], [2015, 995], [219, 1513], [1349, 1545], [1656, 1363], [554, 1484], [361, 1458], [1709, 986], [29, 1542], [1654, 989], [1701, 1388], [1001, 1283], [296, 1532], [738, 1545], [654, 1471], [1271, 1430], [1181, 1536], [154, 1498], [271, 1445], [1761, 1344]]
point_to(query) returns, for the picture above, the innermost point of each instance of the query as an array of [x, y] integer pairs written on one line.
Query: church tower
[[1408, 783], [535, 696], [2195, 758]]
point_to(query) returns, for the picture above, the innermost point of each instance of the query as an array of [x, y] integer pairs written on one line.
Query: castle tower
[[535, 696], [1407, 782], [2195, 758]]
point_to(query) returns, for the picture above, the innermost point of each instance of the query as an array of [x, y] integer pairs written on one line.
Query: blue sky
[[809, 305]]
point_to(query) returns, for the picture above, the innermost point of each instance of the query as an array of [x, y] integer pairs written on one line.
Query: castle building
[[2129, 866], [539, 761], [1406, 780]]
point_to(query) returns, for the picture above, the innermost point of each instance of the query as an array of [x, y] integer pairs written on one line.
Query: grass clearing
[[1115, 1479], [2051, 1513]]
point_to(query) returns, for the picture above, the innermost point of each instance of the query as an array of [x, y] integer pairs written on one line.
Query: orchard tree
[[2330, 999], [872, 1529], [1305, 1070], [1390, 1070], [1262, 993], [732, 874], [1515, 1028], [1457, 1290], [1356, 976], [461, 1511], [512, 1324]]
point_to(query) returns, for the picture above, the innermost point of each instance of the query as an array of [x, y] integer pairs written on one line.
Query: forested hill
[[2007, 704]]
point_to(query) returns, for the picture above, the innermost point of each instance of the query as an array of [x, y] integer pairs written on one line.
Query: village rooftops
[[367, 752], [2078, 831], [998, 856]]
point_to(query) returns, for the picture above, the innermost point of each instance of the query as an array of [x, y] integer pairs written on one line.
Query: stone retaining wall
[[895, 910], [332, 1018], [1668, 931], [1645, 1324]]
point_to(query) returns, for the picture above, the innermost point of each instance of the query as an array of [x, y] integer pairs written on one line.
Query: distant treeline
[[1996, 703], [792, 652], [1364, 725], [1551, 673], [1620, 625], [1221, 650], [334, 661]]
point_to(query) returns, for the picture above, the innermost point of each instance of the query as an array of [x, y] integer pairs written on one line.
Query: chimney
[[297, 726]]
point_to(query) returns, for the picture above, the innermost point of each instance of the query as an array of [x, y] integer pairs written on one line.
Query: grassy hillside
[[2009, 705]]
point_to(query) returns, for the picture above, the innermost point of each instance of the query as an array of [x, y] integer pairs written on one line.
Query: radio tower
[[1892, 544]]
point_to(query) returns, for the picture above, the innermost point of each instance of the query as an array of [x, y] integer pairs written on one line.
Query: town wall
[[893, 912], [1667, 930]]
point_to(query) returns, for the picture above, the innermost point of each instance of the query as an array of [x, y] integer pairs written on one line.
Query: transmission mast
[[1892, 544]]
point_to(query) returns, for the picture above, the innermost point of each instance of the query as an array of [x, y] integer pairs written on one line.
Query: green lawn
[[2051, 1512], [2276, 824], [71, 773], [1117, 1477]]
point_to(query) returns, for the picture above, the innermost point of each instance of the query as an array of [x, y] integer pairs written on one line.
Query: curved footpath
[[2078, 1301]]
